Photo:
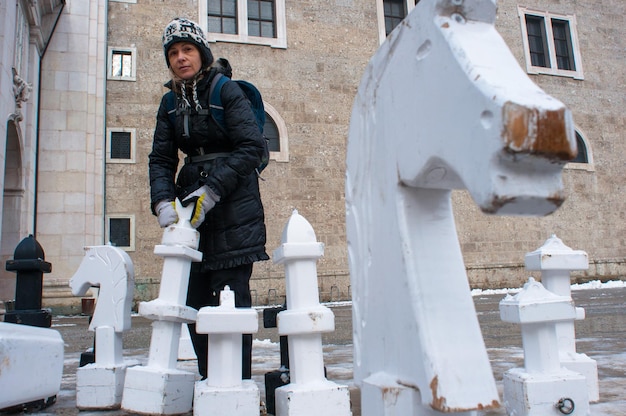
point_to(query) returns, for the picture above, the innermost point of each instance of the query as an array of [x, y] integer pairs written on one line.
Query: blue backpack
[[216, 109]]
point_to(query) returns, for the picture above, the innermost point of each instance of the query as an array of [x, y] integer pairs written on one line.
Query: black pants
[[204, 290]]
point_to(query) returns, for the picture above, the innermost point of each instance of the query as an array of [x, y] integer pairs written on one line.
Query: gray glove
[[204, 199], [166, 213]]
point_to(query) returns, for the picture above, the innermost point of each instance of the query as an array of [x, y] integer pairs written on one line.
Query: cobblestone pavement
[[601, 335]]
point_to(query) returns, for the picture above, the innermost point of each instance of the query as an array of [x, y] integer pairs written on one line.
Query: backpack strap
[[170, 106], [215, 100]]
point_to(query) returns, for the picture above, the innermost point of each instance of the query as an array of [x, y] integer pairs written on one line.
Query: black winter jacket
[[233, 232]]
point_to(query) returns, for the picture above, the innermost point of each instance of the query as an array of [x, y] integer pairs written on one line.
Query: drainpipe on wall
[[36, 170]]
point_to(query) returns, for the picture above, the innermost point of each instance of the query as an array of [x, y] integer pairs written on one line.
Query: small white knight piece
[[100, 385], [442, 105]]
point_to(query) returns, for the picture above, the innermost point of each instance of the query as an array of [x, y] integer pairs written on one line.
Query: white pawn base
[[241, 400], [99, 387], [537, 394], [582, 364], [150, 390], [317, 398]]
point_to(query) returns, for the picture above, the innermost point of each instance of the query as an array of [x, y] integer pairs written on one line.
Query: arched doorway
[[13, 195]]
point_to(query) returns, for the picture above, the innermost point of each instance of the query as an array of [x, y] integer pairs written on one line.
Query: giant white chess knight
[[442, 105]]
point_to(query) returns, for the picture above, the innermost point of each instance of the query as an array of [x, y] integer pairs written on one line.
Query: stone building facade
[[102, 82]]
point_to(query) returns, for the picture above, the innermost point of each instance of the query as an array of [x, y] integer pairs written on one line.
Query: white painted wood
[[442, 105], [100, 385], [304, 321], [537, 388], [22, 378], [224, 392], [556, 261], [159, 387]]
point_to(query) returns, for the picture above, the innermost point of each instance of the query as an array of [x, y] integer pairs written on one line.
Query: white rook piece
[[555, 260], [159, 387], [100, 385], [442, 105], [304, 321], [224, 392], [542, 386]]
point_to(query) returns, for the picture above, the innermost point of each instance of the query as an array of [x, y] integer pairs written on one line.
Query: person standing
[[218, 176]]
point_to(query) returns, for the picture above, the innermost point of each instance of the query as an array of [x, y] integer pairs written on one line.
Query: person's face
[[184, 59]]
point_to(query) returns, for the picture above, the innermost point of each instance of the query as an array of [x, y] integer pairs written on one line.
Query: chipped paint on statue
[[442, 105]]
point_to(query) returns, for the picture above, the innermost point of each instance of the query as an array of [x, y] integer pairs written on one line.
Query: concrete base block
[[31, 363], [582, 364], [243, 400], [538, 394], [320, 398], [160, 391], [99, 387]]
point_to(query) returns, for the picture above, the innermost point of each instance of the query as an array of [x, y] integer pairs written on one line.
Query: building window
[[120, 231], [120, 145], [122, 64], [584, 157], [261, 18], [275, 130], [260, 22], [550, 43], [581, 156], [391, 13], [395, 12]]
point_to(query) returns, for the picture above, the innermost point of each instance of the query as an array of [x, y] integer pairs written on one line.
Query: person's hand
[[166, 213], [204, 199]]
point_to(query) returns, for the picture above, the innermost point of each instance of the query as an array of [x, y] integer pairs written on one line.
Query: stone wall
[[312, 84]]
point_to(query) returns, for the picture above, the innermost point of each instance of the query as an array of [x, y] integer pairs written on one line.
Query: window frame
[[553, 69], [280, 41], [380, 12], [133, 144], [588, 166], [131, 239], [133, 70], [283, 139]]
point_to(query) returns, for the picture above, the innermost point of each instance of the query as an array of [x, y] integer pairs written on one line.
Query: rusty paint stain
[[498, 202], [439, 403], [390, 394], [544, 133]]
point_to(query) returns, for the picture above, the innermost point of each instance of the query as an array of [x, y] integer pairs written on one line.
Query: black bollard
[[280, 377], [29, 264]]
